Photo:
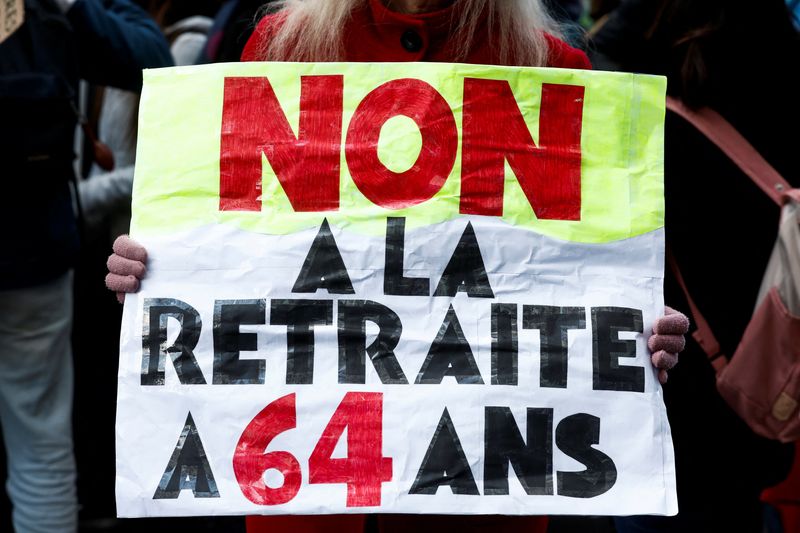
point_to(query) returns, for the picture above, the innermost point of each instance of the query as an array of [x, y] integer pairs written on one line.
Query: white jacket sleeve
[[105, 193]]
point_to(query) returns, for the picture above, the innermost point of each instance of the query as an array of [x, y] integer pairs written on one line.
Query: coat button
[[411, 41]]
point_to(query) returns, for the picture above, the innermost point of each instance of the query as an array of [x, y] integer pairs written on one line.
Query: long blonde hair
[[312, 30]]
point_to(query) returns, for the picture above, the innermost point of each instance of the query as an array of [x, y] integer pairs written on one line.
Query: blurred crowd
[[738, 57]]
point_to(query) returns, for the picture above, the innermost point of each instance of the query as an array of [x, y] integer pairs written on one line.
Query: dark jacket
[[113, 40], [720, 227]]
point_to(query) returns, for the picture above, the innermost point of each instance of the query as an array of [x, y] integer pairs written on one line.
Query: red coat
[[375, 33]]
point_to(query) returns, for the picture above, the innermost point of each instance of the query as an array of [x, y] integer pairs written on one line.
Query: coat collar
[[391, 29], [434, 21]]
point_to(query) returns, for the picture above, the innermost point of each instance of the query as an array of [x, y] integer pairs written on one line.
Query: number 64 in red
[[363, 470]]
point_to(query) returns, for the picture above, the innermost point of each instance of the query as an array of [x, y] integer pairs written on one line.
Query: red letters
[[365, 467], [363, 470], [250, 460], [494, 130], [425, 106], [307, 165]]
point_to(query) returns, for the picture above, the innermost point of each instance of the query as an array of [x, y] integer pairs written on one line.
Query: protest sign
[[402, 288]]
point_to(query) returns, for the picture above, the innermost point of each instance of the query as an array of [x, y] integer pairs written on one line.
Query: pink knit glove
[[126, 266], [667, 341]]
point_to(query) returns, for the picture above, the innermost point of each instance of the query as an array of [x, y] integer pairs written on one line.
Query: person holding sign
[[46, 47], [516, 33]]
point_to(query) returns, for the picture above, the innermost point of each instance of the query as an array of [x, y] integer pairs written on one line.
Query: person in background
[[108, 42], [794, 9], [185, 23], [569, 14], [513, 32], [105, 197], [233, 26], [741, 59]]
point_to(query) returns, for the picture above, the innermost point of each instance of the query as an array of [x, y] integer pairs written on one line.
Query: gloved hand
[[126, 266], [667, 341]]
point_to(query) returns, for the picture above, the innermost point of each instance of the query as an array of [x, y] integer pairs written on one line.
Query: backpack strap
[[737, 148], [720, 132], [703, 333]]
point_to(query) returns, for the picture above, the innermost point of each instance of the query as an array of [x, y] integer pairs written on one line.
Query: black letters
[[450, 355], [505, 347], [575, 436], [553, 323], [300, 317], [532, 461], [188, 468], [229, 341], [465, 271], [154, 340], [324, 267], [394, 281], [607, 348], [445, 463], [352, 328]]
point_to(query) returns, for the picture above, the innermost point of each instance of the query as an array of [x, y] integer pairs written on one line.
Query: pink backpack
[[762, 381]]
